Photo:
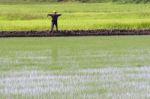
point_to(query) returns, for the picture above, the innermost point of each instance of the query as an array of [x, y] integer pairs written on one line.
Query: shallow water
[[110, 82]]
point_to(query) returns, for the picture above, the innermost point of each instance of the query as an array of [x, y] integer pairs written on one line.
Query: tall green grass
[[75, 16], [100, 1]]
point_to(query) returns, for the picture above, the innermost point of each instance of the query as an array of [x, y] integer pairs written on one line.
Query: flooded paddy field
[[76, 67], [110, 82]]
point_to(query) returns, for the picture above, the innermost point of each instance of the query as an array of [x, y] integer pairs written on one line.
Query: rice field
[[75, 16], [77, 67], [108, 83]]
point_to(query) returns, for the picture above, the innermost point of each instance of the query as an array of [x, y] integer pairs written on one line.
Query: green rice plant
[[75, 16]]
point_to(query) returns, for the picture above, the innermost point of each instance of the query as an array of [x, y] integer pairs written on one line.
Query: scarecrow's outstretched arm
[[49, 14], [59, 14]]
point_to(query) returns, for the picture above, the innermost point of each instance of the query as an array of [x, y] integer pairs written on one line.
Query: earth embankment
[[100, 32]]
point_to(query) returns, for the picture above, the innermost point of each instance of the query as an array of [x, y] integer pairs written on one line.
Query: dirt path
[[100, 32]]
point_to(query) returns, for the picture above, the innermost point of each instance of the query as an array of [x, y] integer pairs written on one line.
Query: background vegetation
[[75, 16], [100, 1]]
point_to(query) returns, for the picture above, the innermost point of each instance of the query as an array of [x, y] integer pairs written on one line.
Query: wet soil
[[99, 32]]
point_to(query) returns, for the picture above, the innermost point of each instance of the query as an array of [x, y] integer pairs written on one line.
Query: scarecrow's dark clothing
[[54, 20]]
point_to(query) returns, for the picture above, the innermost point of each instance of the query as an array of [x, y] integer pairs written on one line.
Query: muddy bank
[[100, 32]]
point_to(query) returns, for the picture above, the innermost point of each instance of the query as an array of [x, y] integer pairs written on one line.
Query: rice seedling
[[75, 67]]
